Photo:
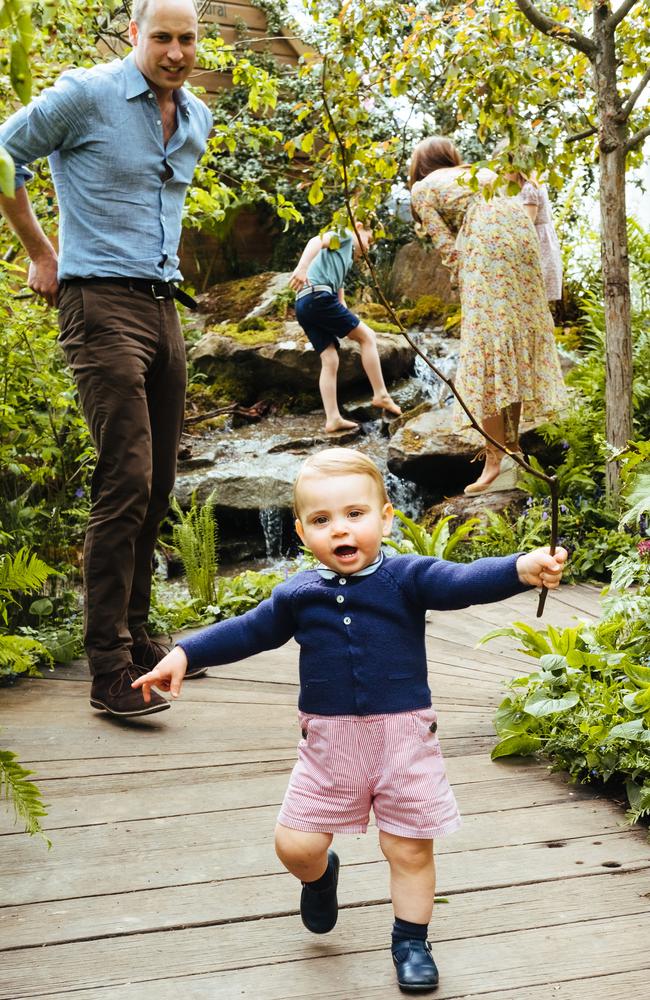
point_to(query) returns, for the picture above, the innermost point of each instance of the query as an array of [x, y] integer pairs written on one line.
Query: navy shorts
[[324, 319]]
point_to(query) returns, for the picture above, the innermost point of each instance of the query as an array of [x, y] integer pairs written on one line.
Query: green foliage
[[588, 530], [587, 706], [238, 594], [23, 573], [440, 542], [252, 323], [23, 794], [195, 539]]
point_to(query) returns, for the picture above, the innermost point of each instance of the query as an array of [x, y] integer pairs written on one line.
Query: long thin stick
[[519, 459]]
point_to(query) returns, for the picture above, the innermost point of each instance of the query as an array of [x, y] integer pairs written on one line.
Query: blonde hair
[[339, 462]]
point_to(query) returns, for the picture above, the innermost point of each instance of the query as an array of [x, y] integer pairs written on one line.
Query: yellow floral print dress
[[507, 347]]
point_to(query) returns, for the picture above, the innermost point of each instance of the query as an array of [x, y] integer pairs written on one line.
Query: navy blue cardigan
[[361, 638]]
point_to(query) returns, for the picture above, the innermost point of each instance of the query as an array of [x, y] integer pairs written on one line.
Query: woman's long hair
[[432, 154]]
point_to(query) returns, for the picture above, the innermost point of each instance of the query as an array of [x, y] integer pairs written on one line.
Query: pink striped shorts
[[348, 764]]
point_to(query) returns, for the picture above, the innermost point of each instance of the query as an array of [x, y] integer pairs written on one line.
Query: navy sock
[[326, 879], [404, 930]]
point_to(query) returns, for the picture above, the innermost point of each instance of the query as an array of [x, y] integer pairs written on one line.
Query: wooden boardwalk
[[163, 883]]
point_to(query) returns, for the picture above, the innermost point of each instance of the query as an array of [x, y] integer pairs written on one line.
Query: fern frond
[[23, 794], [19, 655]]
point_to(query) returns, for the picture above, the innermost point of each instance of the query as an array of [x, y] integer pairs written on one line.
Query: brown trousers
[[127, 355]]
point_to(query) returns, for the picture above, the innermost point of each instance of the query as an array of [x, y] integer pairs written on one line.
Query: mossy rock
[[427, 309], [231, 301], [251, 331]]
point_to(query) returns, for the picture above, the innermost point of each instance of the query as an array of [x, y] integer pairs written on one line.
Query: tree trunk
[[615, 263]]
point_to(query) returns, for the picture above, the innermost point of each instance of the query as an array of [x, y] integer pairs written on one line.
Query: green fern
[[23, 573], [23, 794], [195, 538], [19, 654], [440, 542]]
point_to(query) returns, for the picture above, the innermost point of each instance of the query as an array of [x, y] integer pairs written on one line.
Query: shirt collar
[[136, 84], [329, 574]]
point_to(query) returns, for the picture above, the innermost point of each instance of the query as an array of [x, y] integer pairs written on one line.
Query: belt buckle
[[159, 298]]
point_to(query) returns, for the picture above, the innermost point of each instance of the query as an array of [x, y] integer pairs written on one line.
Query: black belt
[[156, 289]]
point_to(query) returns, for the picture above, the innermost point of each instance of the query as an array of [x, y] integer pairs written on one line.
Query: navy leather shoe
[[416, 970], [319, 908]]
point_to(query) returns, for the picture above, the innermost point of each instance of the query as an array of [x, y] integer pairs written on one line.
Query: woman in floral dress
[[509, 366]]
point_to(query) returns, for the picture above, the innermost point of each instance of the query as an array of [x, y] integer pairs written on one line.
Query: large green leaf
[[634, 730], [20, 73], [539, 704], [520, 744], [7, 173]]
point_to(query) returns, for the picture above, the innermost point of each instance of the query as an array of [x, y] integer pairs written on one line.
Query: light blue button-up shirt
[[120, 189]]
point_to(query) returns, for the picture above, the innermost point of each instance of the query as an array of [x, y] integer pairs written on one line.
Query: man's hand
[[166, 676], [42, 277], [298, 278], [539, 567]]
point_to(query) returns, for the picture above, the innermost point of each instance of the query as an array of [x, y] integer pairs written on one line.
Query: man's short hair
[[140, 10]]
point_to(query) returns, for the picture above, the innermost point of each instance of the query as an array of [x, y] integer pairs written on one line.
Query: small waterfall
[[271, 521], [404, 495], [433, 387]]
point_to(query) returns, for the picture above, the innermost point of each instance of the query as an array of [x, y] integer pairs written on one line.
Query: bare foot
[[334, 426], [386, 403]]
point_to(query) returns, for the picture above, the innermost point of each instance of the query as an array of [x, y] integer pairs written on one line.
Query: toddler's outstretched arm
[[539, 567], [166, 676]]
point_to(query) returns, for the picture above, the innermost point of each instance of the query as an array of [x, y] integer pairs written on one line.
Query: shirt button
[[347, 621], [342, 581], [162, 217], [150, 95], [158, 121], [340, 598]]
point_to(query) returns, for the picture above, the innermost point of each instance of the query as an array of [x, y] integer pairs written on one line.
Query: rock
[[418, 270], [231, 301], [427, 448], [291, 364], [464, 507]]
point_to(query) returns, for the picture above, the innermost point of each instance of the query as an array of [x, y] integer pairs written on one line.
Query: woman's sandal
[[505, 480]]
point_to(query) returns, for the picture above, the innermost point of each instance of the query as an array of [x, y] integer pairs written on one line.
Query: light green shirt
[[330, 267]]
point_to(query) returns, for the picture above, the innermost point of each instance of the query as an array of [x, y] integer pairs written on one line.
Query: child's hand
[[166, 676], [540, 567], [298, 278]]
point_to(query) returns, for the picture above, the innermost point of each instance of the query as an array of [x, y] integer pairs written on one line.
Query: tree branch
[[635, 95], [555, 29], [636, 139], [581, 135], [613, 21]]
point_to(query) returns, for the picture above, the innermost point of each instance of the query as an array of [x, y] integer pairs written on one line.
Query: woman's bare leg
[[371, 362]]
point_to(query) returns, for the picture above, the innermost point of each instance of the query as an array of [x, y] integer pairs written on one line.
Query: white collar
[[329, 574]]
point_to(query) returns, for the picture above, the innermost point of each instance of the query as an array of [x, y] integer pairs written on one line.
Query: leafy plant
[[440, 542], [587, 706], [23, 794], [195, 539], [22, 573]]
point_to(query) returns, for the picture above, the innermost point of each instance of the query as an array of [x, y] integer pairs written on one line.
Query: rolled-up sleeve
[[53, 120]]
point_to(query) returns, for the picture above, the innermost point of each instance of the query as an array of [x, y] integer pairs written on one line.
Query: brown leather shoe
[[113, 693], [147, 653]]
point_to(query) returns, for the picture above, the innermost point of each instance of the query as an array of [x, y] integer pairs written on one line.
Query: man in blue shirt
[[123, 140]]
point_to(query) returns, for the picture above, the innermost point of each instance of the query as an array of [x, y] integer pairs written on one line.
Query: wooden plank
[[615, 986], [94, 801], [142, 854], [521, 959], [268, 895], [198, 950], [231, 13]]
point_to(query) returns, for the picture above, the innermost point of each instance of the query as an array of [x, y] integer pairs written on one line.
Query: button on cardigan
[[365, 655]]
